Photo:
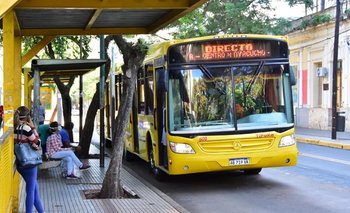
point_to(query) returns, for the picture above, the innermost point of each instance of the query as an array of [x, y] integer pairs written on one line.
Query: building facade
[[311, 56]]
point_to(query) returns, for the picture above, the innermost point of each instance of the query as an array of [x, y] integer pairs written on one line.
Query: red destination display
[[229, 49]]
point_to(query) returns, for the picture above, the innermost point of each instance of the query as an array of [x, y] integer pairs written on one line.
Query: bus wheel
[[159, 174], [252, 171]]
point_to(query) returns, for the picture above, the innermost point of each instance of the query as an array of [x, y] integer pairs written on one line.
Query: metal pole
[[36, 98], [101, 98], [80, 107], [59, 107], [335, 70], [81, 93], [112, 92]]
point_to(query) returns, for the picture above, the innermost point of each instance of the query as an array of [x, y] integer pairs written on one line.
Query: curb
[[164, 196], [323, 143]]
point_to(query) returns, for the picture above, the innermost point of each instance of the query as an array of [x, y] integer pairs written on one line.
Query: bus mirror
[[293, 80]]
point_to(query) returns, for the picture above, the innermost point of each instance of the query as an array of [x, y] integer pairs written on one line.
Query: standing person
[[28, 135], [55, 150], [41, 114]]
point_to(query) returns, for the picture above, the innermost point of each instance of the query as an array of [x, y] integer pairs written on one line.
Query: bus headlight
[[287, 141], [181, 148]]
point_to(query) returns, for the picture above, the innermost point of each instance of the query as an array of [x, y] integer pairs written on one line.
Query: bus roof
[[159, 50]]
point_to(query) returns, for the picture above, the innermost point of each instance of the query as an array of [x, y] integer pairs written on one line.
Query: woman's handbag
[[26, 156]]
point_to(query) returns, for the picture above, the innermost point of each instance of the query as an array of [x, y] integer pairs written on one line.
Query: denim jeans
[[32, 189], [70, 160]]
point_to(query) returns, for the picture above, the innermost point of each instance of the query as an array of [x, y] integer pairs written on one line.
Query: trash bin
[[340, 121]]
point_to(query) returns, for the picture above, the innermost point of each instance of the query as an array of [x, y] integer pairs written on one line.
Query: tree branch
[[59, 84], [49, 51], [71, 81]]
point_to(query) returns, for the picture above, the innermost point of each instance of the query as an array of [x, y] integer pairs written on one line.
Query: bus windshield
[[228, 98]]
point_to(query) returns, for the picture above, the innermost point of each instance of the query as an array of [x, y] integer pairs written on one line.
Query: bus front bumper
[[197, 163]]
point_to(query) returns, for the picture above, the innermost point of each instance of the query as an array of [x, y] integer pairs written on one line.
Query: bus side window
[[148, 90], [140, 91], [119, 90]]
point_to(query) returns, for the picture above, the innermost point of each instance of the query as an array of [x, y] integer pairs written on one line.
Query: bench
[[50, 163]]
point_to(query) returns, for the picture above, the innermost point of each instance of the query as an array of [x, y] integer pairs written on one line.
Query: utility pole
[[335, 70]]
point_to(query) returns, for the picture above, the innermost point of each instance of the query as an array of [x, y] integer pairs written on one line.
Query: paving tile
[[65, 196]]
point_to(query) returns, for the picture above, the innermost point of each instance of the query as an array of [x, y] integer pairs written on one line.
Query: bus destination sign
[[229, 49]]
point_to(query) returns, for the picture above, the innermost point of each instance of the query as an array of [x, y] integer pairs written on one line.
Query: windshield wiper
[[208, 74], [255, 76]]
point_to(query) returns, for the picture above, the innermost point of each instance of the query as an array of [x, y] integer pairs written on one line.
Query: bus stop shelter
[[45, 70], [48, 19]]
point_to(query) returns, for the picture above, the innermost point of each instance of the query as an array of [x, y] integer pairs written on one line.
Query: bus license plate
[[239, 161]]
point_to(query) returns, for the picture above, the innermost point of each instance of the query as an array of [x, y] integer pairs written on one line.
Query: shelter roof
[[96, 17], [50, 68]]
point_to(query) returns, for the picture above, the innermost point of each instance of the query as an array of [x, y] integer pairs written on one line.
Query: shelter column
[[101, 97], [36, 98], [27, 86], [12, 68]]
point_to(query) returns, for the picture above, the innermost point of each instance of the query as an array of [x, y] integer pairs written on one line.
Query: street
[[319, 183]]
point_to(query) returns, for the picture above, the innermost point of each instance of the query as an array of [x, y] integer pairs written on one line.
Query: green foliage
[[62, 47], [192, 25], [227, 16], [309, 4], [28, 42], [66, 47], [320, 19], [281, 26], [314, 21], [347, 12]]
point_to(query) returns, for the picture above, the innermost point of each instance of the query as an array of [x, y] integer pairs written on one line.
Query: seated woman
[[55, 150]]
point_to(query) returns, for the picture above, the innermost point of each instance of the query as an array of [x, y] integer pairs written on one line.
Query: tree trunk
[[67, 113], [88, 129], [66, 102], [133, 57], [111, 187]]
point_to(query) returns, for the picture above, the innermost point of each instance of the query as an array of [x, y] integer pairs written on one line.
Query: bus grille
[[235, 145]]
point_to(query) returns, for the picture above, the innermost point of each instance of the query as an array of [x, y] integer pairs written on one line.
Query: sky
[[285, 11], [297, 11]]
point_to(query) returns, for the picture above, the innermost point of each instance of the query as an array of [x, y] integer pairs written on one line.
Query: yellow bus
[[214, 103]]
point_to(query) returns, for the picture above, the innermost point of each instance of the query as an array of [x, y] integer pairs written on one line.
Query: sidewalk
[[60, 195], [323, 138]]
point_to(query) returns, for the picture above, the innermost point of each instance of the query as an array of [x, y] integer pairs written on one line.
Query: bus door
[[134, 123], [145, 108], [160, 113]]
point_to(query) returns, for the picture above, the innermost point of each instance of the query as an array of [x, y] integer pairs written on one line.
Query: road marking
[[325, 158]]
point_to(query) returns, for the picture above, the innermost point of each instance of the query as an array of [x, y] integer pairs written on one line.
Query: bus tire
[[252, 171], [158, 173]]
